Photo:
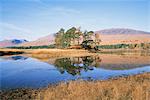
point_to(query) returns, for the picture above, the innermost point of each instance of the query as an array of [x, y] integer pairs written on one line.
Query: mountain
[[121, 31], [107, 36], [122, 35], [13, 42], [47, 40]]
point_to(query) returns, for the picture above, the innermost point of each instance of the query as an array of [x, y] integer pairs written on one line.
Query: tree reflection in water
[[75, 65]]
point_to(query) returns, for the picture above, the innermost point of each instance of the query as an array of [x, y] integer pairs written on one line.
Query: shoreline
[[68, 52], [128, 87], [47, 53]]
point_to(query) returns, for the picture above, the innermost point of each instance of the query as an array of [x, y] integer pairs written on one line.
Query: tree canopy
[[73, 36]]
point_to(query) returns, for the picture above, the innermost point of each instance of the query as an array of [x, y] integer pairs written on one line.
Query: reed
[[128, 88]]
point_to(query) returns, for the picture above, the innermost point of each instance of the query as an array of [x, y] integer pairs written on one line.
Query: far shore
[[67, 52], [48, 52]]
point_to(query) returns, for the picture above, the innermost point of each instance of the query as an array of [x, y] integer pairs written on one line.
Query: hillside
[[120, 35], [13, 42], [108, 36], [121, 31], [47, 40]]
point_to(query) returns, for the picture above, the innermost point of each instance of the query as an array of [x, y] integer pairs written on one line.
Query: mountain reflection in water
[[19, 58], [15, 57]]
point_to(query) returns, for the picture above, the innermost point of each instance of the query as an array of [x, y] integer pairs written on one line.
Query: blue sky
[[31, 19]]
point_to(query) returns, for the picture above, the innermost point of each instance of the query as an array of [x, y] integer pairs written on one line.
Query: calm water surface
[[22, 71]]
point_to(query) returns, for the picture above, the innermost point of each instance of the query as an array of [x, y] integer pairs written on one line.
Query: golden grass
[[129, 88], [4, 52], [4, 49], [53, 53], [133, 87], [50, 53]]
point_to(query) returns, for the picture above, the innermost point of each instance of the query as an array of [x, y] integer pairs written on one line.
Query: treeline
[[116, 46], [33, 47], [126, 46]]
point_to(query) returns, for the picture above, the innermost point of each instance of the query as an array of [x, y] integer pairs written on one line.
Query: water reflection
[[22, 71], [14, 57], [74, 65]]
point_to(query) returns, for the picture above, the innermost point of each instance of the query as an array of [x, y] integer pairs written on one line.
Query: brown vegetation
[[10, 52], [49, 53], [122, 89], [132, 87]]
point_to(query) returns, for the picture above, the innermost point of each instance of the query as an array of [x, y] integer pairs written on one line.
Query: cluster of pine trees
[[74, 36]]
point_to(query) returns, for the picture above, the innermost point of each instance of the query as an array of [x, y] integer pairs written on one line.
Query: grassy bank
[[10, 52], [132, 87], [48, 53], [61, 52], [55, 53], [111, 46]]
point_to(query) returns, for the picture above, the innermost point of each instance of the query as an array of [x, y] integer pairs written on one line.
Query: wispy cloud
[[59, 10], [32, 0], [14, 27], [63, 10]]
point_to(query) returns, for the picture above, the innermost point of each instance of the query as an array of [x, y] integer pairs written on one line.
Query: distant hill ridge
[[46, 40], [13, 42], [121, 31], [123, 36], [18, 41], [108, 36]]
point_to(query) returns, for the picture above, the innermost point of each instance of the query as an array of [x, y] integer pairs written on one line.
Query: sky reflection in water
[[21, 71]]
